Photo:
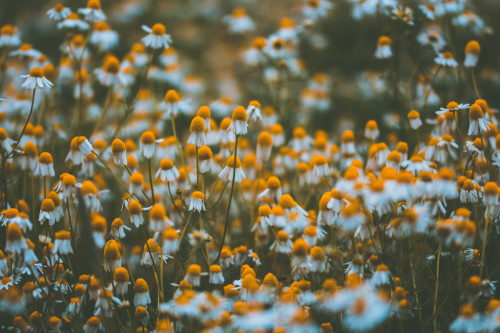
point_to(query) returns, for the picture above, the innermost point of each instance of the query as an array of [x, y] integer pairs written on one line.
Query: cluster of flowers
[[114, 217]]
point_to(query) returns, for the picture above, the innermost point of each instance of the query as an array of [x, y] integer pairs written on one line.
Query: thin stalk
[[151, 181], [415, 288], [184, 229], [483, 248], [197, 169], [179, 148], [105, 108], [474, 82], [230, 199], [24, 127], [436, 289], [111, 171]]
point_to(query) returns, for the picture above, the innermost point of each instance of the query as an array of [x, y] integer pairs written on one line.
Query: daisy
[[216, 276], [157, 37], [430, 11], [135, 212], [452, 107], [108, 73], [206, 162], [468, 320], [478, 124], [47, 212], [9, 36], [193, 275], [112, 256], [232, 169], [15, 239], [432, 38], [197, 202], [93, 13], [44, 166], [383, 48], [141, 289], [118, 229], [239, 123], [147, 147], [103, 37], [264, 146], [320, 166], [254, 55], [72, 21], [445, 59], [282, 243], [36, 78], [239, 22], [315, 10], [171, 103], [167, 171], [59, 12], [62, 244], [366, 312], [197, 129], [472, 51], [170, 241]]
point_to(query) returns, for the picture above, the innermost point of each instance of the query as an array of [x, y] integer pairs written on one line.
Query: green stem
[[436, 289], [151, 182], [230, 199]]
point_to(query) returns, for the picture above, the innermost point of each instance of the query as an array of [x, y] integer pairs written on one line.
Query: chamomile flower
[[239, 123], [103, 37], [315, 10], [383, 48], [157, 37], [135, 212], [197, 129], [478, 124], [108, 73], [142, 297], [58, 12], [216, 276], [452, 107], [148, 143], [472, 51], [47, 212], [232, 170], [239, 22], [93, 13], [197, 202], [36, 78], [9, 36], [254, 56], [62, 243], [72, 21], [446, 59], [118, 229], [167, 171]]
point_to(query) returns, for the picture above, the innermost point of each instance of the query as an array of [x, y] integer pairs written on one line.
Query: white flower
[[59, 12], [445, 59], [167, 171], [239, 22], [383, 52], [157, 37], [216, 276], [316, 9], [36, 78], [93, 12], [197, 203], [73, 22], [452, 107], [9, 36]]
